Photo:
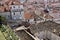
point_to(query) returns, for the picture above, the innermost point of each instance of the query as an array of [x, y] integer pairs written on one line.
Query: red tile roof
[[28, 15]]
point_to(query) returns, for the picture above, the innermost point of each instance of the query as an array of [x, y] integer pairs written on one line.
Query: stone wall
[[47, 34], [53, 36]]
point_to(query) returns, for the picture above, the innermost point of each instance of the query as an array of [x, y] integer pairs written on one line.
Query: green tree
[[2, 20]]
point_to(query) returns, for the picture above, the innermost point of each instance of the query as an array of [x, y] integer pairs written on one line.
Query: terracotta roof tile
[[28, 15]]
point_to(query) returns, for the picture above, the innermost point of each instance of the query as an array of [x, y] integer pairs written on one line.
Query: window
[[20, 12], [13, 6], [14, 13]]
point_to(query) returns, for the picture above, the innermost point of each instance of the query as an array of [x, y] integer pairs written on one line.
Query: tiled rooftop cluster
[[39, 6], [5, 4], [33, 6]]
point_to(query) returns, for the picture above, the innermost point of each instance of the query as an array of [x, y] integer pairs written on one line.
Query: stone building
[[17, 11]]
